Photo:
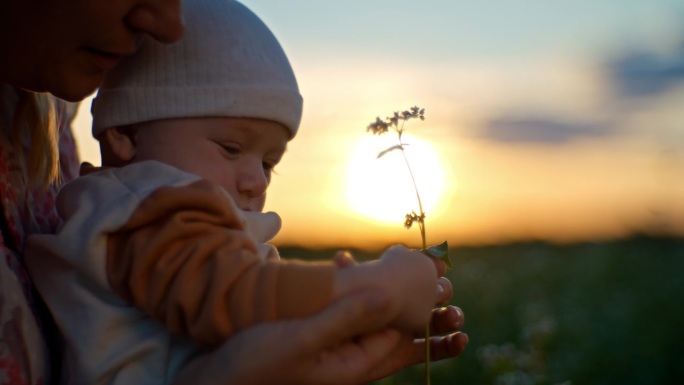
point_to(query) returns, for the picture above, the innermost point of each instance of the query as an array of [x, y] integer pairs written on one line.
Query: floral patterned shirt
[[24, 322]]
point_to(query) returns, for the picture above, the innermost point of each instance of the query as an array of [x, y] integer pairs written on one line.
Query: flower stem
[[378, 127], [427, 355], [421, 225]]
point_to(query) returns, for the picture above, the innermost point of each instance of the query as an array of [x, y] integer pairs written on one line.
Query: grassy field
[[584, 314]]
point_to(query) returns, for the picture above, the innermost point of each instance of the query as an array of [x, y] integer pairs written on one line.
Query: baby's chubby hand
[[408, 277], [412, 278]]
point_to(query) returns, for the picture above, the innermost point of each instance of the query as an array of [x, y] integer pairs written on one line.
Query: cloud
[[640, 78], [640, 73], [539, 130]]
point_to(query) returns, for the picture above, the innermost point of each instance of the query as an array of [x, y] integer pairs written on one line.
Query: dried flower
[[441, 251], [413, 217], [378, 127]]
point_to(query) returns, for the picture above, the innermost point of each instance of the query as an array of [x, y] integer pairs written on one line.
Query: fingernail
[[459, 335], [460, 317]]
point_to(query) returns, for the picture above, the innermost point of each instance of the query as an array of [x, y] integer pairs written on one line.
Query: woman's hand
[[324, 349], [446, 340]]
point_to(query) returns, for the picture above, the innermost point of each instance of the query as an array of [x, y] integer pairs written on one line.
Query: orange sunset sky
[[557, 120]]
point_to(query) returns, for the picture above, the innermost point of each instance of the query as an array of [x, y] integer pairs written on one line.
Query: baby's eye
[[231, 149], [268, 169]]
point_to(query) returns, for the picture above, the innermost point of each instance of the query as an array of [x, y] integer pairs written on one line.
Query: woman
[[66, 47]]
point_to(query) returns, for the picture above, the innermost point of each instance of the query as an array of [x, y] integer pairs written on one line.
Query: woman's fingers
[[412, 351], [440, 266], [447, 346], [444, 291], [446, 320]]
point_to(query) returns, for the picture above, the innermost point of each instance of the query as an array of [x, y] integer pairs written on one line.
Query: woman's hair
[[35, 117]]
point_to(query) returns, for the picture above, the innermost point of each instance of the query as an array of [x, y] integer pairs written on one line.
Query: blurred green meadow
[[582, 314]]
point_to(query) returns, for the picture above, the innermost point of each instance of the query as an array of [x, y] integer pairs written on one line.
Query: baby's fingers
[[344, 259]]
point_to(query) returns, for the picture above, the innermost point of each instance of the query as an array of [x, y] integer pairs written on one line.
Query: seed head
[[413, 217], [378, 127]]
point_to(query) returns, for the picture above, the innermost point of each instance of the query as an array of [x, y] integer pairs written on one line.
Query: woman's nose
[[161, 19]]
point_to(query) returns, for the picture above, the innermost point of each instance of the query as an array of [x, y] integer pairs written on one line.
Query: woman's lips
[[105, 60]]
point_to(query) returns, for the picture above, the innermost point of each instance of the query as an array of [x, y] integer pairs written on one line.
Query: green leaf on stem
[[395, 147], [440, 251]]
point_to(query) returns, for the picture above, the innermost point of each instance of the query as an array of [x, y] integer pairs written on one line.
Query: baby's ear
[[117, 146]]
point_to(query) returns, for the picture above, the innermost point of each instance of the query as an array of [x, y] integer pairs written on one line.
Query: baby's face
[[238, 154]]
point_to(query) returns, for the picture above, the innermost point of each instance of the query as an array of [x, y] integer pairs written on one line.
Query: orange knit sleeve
[[185, 259]]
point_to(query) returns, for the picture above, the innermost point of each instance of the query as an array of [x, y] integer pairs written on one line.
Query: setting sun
[[381, 188]]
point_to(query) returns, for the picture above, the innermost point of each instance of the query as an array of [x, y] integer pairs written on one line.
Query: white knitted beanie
[[227, 64]]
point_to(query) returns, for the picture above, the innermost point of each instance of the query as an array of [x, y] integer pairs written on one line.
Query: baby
[[162, 253]]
